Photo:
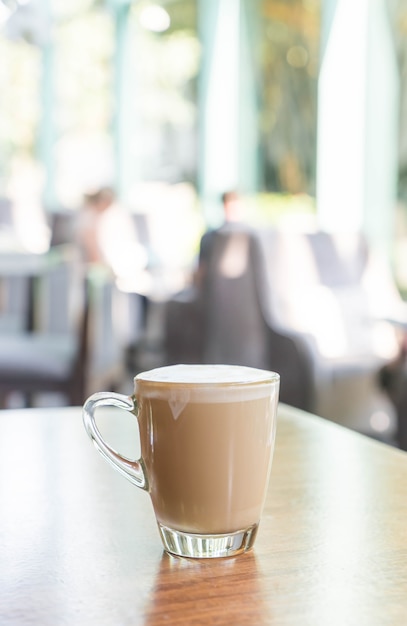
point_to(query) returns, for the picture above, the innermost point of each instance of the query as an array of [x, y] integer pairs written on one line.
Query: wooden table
[[79, 544]]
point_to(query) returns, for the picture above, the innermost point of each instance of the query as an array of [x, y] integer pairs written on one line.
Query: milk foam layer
[[205, 383]]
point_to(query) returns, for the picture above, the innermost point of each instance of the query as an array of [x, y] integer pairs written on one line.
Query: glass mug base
[[195, 546]]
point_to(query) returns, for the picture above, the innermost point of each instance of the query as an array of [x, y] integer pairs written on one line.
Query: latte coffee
[[207, 436], [206, 440]]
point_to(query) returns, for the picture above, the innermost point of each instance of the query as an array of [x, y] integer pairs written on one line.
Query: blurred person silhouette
[[186, 313], [107, 237], [233, 218], [90, 225]]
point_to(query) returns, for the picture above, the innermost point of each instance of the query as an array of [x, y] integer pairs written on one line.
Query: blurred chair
[[142, 229], [110, 319], [309, 306], [52, 356], [62, 226], [6, 213], [14, 303], [74, 347]]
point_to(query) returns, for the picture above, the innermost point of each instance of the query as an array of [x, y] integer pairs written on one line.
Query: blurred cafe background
[[122, 125]]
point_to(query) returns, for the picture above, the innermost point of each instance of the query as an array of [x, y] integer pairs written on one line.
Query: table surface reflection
[[79, 544]]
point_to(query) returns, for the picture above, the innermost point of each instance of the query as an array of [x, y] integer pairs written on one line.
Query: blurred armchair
[[76, 344], [309, 306], [49, 354]]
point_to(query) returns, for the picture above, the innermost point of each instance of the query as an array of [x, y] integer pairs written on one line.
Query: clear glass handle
[[133, 470]]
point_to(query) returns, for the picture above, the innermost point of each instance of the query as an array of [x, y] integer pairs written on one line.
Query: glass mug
[[206, 438]]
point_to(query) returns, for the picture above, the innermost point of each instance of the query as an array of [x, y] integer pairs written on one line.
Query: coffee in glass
[[207, 437]]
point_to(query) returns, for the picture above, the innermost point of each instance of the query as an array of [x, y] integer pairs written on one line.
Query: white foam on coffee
[[180, 384]]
